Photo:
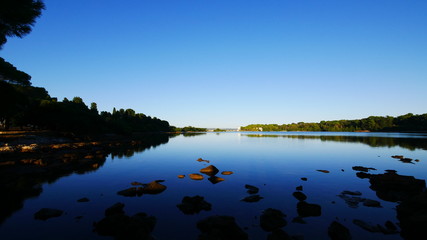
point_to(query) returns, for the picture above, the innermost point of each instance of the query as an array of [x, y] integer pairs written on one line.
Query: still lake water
[[274, 162]]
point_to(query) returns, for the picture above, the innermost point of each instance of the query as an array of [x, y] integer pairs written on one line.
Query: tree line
[[31, 107], [404, 123]]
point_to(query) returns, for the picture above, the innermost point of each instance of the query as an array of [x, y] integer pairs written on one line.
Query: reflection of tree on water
[[408, 143], [22, 174]]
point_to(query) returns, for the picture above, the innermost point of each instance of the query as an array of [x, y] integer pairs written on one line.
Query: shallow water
[[274, 162]]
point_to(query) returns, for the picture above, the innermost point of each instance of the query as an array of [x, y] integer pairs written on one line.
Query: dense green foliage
[[26, 106], [190, 129], [407, 122]]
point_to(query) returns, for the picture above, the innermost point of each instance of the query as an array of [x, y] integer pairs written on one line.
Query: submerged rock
[[120, 226], [46, 213], [299, 188], [215, 179], [406, 160], [305, 209], [299, 196], [210, 170], [131, 192], [154, 187], [83, 200], [337, 231], [196, 176], [304, 179], [136, 183], [226, 172], [397, 156], [367, 226], [251, 189], [355, 193], [181, 176], [412, 214], [220, 228], [272, 219], [323, 171], [362, 169], [192, 205], [279, 234], [252, 198]]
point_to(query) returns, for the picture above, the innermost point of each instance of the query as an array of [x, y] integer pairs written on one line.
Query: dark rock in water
[[215, 179], [181, 176], [394, 187], [120, 226], [136, 183], [390, 171], [389, 225], [367, 226], [323, 171], [352, 202], [192, 205], [210, 170], [130, 192], [371, 203], [304, 179], [83, 200], [46, 213], [363, 175], [251, 189], [153, 187], [272, 219], [397, 156], [116, 209], [202, 160], [417, 160], [299, 188], [252, 198], [299, 220], [279, 234], [362, 169], [406, 160], [356, 193], [220, 228], [226, 172], [305, 209], [196, 176], [412, 214], [337, 231], [300, 196]]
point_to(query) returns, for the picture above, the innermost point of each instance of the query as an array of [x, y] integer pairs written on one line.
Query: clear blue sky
[[228, 63]]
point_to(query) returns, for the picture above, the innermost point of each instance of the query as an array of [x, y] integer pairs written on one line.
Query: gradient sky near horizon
[[229, 63]]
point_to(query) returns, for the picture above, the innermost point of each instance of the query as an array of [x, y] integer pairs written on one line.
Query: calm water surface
[[274, 162]]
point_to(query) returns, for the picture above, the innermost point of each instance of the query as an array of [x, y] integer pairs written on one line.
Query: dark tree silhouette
[[17, 17], [10, 74]]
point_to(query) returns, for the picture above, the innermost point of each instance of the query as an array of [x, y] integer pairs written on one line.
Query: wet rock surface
[[83, 200], [251, 189], [227, 172], [412, 214], [220, 228], [215, 179], [299, 196], [210, 170], [202, 160], [196, 176], [46, 213], [337, 231], [153, 187], [362, 169], [272, 219], [252, 198], [120, 226], [305, 209], [193, 205]]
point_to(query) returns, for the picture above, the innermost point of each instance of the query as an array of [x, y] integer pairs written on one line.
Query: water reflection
[[411, 143], [22, 175]]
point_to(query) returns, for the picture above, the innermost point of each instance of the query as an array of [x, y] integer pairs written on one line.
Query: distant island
[[404, 123]]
